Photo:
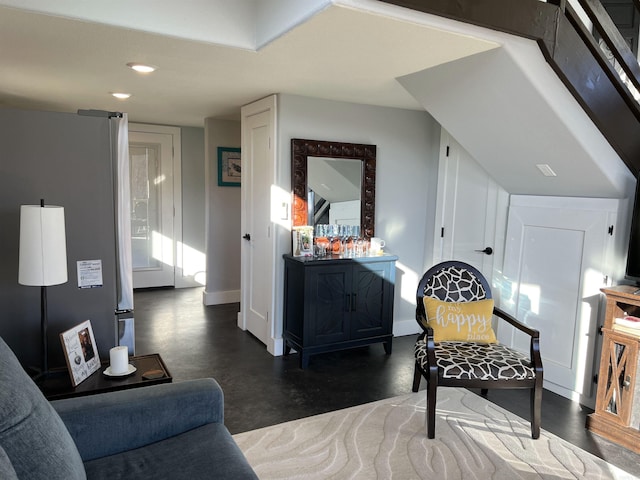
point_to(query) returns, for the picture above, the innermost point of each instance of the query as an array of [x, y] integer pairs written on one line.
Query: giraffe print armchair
[[471, 364]]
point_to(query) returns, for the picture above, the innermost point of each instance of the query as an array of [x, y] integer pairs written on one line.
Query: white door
[[257, 243], [152, 209], [555, 263], [471, 208]]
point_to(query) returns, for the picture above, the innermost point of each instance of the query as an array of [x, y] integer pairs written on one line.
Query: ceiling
[[493, 92], [213, 56]]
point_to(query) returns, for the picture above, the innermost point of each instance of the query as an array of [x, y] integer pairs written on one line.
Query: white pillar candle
[[119, 360]]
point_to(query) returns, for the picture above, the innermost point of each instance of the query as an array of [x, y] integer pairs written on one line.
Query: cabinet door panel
[[371, 313], [616, 396], [330, 308]]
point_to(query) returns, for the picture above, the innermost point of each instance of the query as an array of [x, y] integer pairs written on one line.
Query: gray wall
[[223, 214], [65, 159], [193, 197], [406, 180]]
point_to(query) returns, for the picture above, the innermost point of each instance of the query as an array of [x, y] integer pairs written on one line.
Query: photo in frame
[[229, 167], [80, 351]]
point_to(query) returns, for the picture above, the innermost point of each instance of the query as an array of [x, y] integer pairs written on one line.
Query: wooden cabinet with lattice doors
[[617, 413]]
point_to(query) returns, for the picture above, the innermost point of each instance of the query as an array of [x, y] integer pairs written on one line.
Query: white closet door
[[258, 248], [471, 210], [555, 263]]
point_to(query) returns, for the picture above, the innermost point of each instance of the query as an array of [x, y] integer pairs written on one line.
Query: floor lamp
[[43, 257]]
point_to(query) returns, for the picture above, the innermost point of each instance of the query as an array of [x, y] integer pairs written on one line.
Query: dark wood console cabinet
[[336, 303]]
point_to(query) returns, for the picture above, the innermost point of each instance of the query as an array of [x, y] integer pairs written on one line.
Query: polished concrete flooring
[[204, 341]]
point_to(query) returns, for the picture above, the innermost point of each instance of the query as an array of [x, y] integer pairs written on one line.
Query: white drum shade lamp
[[43, 256]]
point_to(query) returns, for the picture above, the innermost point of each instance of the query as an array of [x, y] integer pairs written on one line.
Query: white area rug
[[475, 439]]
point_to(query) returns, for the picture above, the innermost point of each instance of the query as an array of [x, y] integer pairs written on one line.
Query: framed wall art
[[229, 167], [81, 352]]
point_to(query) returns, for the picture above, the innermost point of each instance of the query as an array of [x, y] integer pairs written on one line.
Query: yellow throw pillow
[[460, 322]]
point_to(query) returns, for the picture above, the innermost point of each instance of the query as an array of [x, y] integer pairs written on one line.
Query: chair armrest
[[534, 347], [427, 337], [114, 422], [515, 322], [422, 320]]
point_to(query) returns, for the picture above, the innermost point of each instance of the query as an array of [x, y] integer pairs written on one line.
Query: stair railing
[[609, 48]]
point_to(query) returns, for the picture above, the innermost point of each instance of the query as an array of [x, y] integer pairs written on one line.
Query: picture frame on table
[[229, 167], [80, 351]]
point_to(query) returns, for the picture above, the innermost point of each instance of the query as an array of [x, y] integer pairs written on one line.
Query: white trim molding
[[221, 297]]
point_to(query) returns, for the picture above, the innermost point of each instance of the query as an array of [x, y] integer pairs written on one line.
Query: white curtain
[[123, 214]]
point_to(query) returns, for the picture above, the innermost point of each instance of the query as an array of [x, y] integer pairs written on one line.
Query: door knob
[[486, 251], [247, 236]]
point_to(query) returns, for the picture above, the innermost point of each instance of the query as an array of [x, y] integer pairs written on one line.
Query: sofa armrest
[[115, 422]]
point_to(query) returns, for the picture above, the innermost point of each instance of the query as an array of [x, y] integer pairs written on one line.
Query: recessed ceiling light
[[121, 95], [141, 67]]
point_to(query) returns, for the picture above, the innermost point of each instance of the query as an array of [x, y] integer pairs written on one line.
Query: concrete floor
[[260, 390]]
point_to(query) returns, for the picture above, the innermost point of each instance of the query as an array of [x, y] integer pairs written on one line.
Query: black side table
[[58, 384]]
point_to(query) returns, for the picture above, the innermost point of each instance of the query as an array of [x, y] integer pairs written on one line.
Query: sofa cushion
[[204, 452], [31, 432], [114, 422], [6, 469]]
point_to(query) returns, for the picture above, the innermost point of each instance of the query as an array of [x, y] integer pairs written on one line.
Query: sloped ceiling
[[513, 115]]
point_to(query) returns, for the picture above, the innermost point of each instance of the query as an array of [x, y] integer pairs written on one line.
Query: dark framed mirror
[[335, 166]]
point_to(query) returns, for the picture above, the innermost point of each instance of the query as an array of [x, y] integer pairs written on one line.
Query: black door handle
[[486, 251], [247, 236]]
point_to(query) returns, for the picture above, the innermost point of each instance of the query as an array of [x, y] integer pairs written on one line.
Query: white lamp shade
[[43, 246]]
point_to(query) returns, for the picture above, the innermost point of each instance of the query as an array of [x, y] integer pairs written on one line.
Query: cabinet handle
[[348, 303], [627, 382], [354, 302]]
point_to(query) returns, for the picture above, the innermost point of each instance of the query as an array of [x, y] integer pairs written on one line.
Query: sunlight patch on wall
[[192, 262], [530, 293], [408, 283], [280, 206], [587, 330], [162, 248]]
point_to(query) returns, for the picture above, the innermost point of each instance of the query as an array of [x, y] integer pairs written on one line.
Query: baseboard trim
[[219, 298], [570, 394], [405, 327], [275, 346]]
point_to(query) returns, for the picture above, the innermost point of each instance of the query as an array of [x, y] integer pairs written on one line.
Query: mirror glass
[[333, 183], [334, 186]]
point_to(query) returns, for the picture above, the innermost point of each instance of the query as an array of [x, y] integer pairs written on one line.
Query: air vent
[[546, 170]]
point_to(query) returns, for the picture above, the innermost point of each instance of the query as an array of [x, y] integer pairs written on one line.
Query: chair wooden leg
[[536, 409], [431, 409], [417, 376]]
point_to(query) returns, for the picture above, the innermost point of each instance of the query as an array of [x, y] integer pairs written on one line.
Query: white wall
[[223, 218], [406, 179]]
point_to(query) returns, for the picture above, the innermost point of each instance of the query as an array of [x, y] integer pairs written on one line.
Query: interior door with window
[[152, 209]]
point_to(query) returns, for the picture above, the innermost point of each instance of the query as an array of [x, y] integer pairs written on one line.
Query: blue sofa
[[169, 431]]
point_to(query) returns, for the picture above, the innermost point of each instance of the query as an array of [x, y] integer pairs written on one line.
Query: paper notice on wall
[[89, 273]]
